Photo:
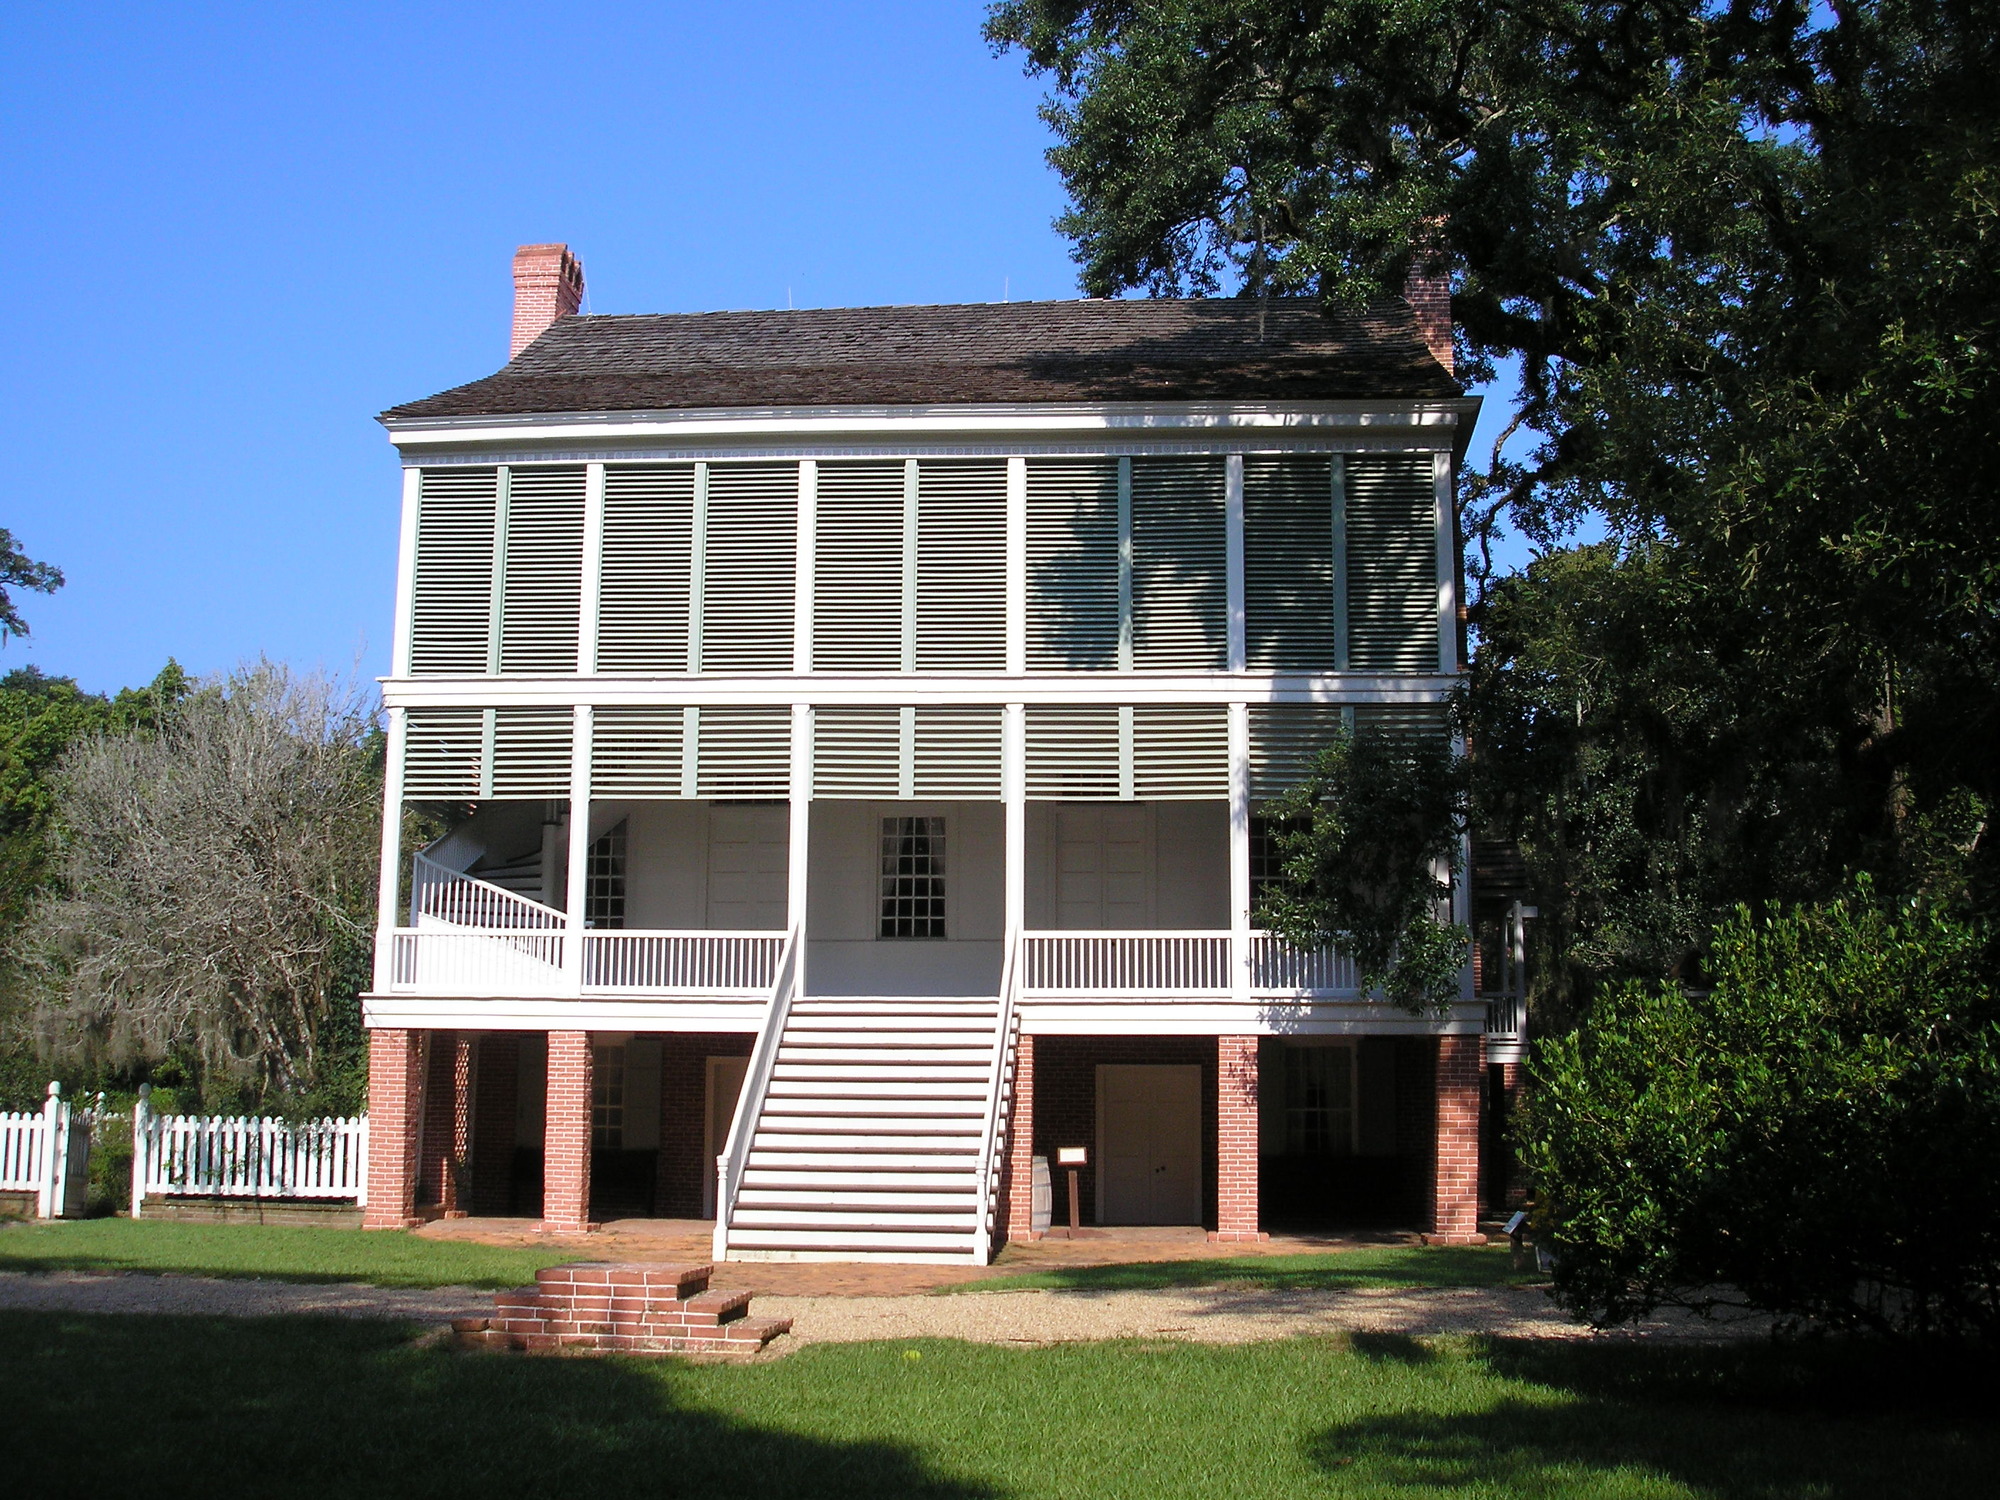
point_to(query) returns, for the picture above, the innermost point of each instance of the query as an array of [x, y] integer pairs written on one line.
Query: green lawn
[[221, 1408], [383, 1257], [1335, 1270]]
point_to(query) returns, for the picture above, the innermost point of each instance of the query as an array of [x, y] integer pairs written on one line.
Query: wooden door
[[1103, 866], [1149, 1144], [748, 848], [725, 1084]]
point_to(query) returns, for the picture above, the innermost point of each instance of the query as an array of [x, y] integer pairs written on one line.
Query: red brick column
[[1020, 1223], [1236, 1140], [1455, 1160], [395, 1127], [566, 1135]]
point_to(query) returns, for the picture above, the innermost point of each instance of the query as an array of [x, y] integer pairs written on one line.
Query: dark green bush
[[1818, 1136]]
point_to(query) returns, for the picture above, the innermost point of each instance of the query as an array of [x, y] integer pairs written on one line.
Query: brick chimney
[[548, 284], [1427, 288]]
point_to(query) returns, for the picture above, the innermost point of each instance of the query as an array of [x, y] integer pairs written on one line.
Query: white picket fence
[[238, 1156], [47, 1153]]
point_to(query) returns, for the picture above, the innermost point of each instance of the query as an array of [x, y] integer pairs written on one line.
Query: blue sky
[[237, 232]]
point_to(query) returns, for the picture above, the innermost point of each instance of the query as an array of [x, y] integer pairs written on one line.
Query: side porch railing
[[1169, 965], [756, 1085], [440, 959]]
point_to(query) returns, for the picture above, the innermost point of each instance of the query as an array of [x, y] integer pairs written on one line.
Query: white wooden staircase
[[874, 1132]]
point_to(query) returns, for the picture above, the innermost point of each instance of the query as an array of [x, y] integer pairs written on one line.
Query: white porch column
[[1239, 851], [1014, 793], [576, 889], [388, 895], [796, 882], [406, 574]]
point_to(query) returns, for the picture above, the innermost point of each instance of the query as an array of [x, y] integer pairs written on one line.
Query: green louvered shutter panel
[[1288, 564], [543, 577], [857, 751], [443, 749], [957, 752], [637, 752], [451, 616], [743, 754], [858, 526], [531, 753], [642, 611], [961, 616], [1392, 563], [1285, 740], [1072, 565], [1180, 753], [750, 554], [1073, 751], [1180, 586]]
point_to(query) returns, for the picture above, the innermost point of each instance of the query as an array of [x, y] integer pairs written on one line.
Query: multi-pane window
[[912, 878], [1267, 865], [1319, 1101], [604, 881], [607, 1098]]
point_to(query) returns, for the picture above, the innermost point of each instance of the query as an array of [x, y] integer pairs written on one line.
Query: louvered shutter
[[1073, 751], [1402, 721], [642, 611], [531, 753], [1180, 753], [857, 752], [858, 568], [1072, 565], [1288, 564], [958, 752], [442, 752], [1392, 589], [1180, 586], [961, 618], [543, 577], [750, 551], [1285, 739], [636, 752], [744, 753], [451, 620]]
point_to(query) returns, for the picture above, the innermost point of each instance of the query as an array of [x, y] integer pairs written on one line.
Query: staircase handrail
[[509, 908], [996, 1101], [756, 1085]]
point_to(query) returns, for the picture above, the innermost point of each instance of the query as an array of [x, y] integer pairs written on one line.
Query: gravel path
[[1215, 1315]]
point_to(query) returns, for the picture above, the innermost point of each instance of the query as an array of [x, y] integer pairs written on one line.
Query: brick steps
[[621, 1309]]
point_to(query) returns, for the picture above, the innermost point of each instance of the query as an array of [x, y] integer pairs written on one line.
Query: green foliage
[[1368, 842], [18, 570], [1814, 1136]]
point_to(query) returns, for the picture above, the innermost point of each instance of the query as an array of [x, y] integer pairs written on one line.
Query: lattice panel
[[637, 752], [531, 753], [751, 550], [642, 612], [858, 584], [1288, 563], [961, 616], [1073, 751], [1180, 586], [857, 752], [958, 752], [543, 577], [442, 753], [1285, 739], [1180, 754], [451, 624], [1392, 560], [744, 753], [1072, 565]]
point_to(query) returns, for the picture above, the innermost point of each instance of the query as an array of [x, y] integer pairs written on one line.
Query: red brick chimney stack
[[1427, 289], [548, 284]]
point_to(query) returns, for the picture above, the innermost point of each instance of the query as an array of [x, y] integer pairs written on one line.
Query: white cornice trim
[[915, 688]]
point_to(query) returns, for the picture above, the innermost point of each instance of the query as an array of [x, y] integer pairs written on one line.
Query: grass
[[1335, 1270], [279, 1253], [222, 1408]]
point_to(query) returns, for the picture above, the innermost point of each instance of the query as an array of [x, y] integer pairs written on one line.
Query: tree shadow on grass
[[1341, 1270], [1745, 1420], [221, 1407]]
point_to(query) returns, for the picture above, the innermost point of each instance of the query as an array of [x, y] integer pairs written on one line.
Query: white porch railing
[[447, 960], [1135, 962], [750, 1098], [243, 1157], [1279, 968], [682, 962], [446, 895]]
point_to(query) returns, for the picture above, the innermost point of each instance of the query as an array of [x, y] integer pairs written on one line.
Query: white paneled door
[[1103, 864], [748, 847], [1149, 1144]]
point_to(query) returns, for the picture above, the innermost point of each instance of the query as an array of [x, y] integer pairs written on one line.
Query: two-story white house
[[851, 726]]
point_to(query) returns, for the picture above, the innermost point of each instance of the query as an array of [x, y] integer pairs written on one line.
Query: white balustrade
[[1279, 967], [458, 961], [1132, 962], [682, 962], [439, 893]]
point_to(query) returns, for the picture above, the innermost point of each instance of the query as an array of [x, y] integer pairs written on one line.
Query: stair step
[[897, 1025], [789, 1156], [780, 1237], [911, 1089], [901, 1071], [908, 1132], [869, 1225], [777, 1177], [880, 1207], [867, 1052]]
